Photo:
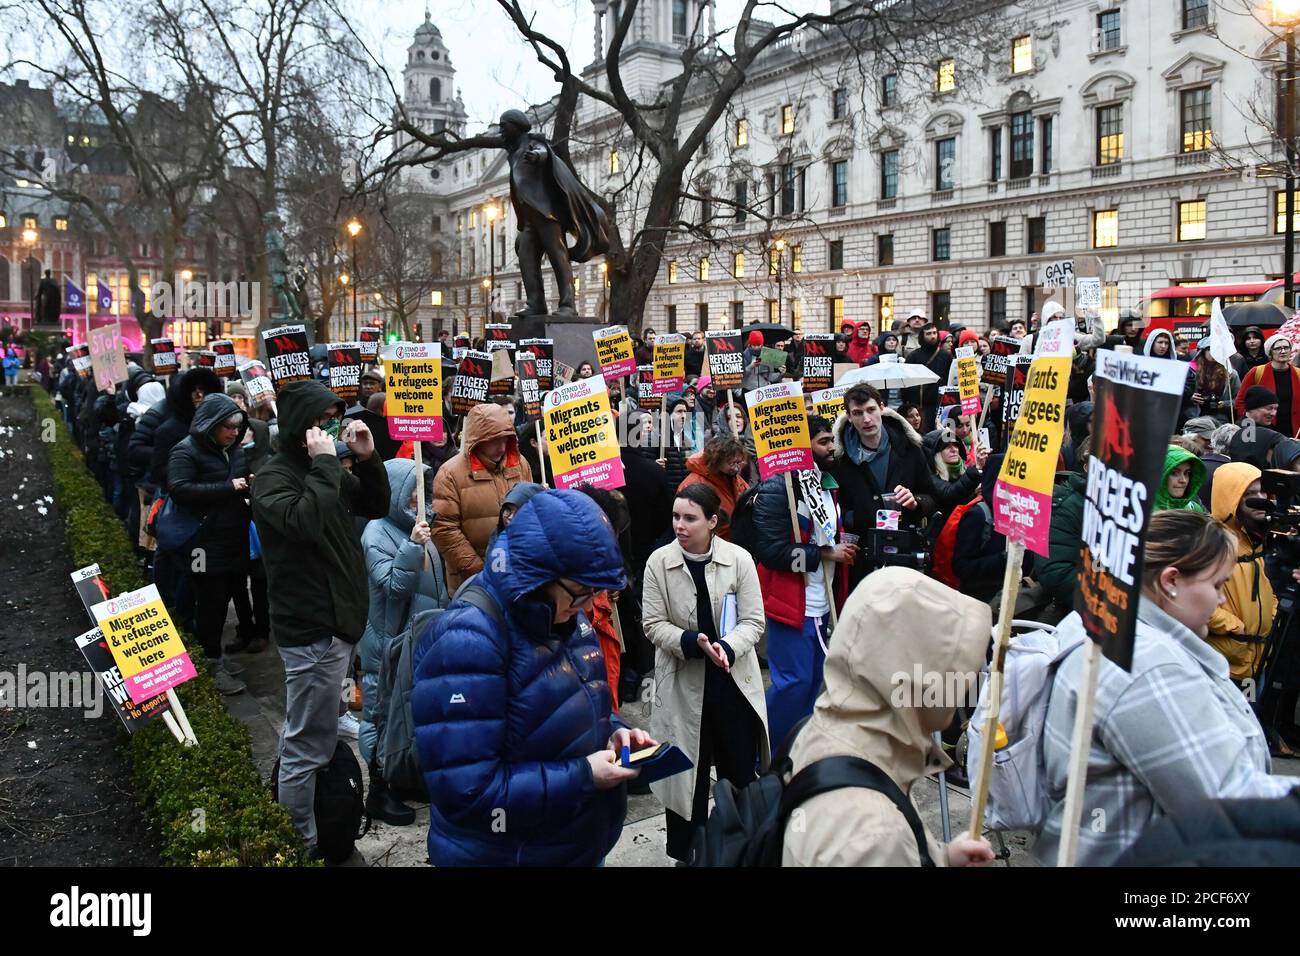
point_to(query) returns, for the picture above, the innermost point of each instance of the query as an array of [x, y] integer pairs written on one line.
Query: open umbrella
[[1266, 315], [772, 333], [890, 375]]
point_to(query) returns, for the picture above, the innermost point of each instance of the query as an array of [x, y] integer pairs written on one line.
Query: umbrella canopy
[[1266, 315], [890, 375], [772, 333]]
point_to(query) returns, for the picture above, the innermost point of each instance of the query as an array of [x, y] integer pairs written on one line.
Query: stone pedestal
[[573, 342]]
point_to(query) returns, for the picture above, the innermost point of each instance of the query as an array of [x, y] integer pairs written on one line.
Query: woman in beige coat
[[703, 611], [903, 641]]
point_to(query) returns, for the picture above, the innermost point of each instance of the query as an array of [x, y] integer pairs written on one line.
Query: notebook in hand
[[658, 762]]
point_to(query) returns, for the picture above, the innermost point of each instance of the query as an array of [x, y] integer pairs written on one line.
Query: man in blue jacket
[[511, 705]]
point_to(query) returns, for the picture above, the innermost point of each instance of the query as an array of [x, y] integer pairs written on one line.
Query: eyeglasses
[[577, 598]]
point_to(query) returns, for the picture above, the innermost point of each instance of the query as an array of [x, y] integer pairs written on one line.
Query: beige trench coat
[[668, 608]]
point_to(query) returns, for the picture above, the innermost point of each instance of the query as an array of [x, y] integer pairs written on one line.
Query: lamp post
[[487, 294], [779, 247], [490, 213], [1286, 13], [30, 238], [354, 230], [344, 280]]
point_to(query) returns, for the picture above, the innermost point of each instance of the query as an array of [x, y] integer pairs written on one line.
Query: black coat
[[200, 479], [1250, 832], [162, 427], [650, 501]]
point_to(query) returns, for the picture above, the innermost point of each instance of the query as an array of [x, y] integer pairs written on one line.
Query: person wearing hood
[[1281, 378], [159, 430], [877, 453], [1240, 626], [406, 579], [937, 360], [304, 505], [719, 466], [955, 482], [979, 554], [207, 476], [1216, 387], [257, 440], [1181, 482], [703, 611], [861, 348], [469, 490], [886, 344], [1251, 353], [887, 630], [515, 498], [517, 739]]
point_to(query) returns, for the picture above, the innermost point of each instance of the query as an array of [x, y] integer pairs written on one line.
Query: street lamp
[[779, 246], [344, 279], [354, 229], [30, 238], [487, 294], [1286, 13], [490, 213]]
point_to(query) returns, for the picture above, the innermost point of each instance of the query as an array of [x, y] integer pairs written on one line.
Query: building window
[[796, 258], [613, 162], [1191, 220], [29, 222], [796, 314], [997, 307], [839, 103], [773, 261], [889, 174], [738, 265], [773, 311], [702, 315], [995, 154], [670, 318], [788, 190], [945, 76], [741, 200], [60, 224], [672, 272], [835, 309], [737, 314], [1110, 134], [771, 193], [1022, 144], [1109, 310], [1108, 30], [885, 249], [945, 163], [704, 268], [888, 90], [742, 132], [787, 119], [1105, 228], [679, 18], [884, 311], [1036, 234], [998, 238], [473, 218], [1279, 212], [1045, 163], [839, 183], [1194, 108], [940, 306], [941, 244], [1196, 14], [1022, 55], [835, 254], [4, 222]]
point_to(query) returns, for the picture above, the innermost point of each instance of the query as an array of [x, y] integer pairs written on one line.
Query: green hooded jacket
[[1174, 457], [303, 508]]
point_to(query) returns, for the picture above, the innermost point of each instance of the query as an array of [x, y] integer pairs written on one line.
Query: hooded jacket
[[506, 714], [887, 629], [1241, 360], [729, 489], [402, 585], [1242, 622], [949, 492], [160, 428], [305, 507], [199, 478], [861, 350], [467, 492], [1174, 457], [881, 339]]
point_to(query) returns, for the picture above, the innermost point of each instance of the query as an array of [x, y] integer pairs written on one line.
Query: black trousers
[[729, 740], [255, 618], [213, 592]]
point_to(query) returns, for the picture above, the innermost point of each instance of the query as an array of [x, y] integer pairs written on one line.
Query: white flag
[[1222, 347]]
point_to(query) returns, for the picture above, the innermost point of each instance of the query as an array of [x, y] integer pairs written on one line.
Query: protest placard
[[91, 587], [614, 352], [1087, 293], [1057, 275], [780, 428], [544, 351], [94, 647], [344, 361], [413, 391], [818, 361], [288, 357], [225, 366], [1014, 391], [1001, 348], [107, 356], [968, 380], [829, 402], [503, 368], [206, 358], [726, 359], [81, 363], [497, 335], [257, 382], [473, 375], [368, 338], [529, 385], [144, 643], [772, 358], [646, 399], [162, 353], [669, 363], [581, 440]]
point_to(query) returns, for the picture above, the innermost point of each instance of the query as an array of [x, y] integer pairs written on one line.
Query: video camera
[[1282, 513]]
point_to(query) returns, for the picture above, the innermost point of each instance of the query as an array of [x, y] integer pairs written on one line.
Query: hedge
[[208, 802]]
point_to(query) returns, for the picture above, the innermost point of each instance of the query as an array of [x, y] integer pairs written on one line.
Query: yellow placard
[[614, 351], [413, 391], [669, 364], [968, 380], [581, 440], [829, 402], [779, 422], [141, 637]]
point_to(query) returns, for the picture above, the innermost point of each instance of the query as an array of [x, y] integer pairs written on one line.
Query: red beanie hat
[[968, 337], [755, 340]]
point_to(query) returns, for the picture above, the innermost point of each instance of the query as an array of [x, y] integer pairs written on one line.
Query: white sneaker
[[349, 727]]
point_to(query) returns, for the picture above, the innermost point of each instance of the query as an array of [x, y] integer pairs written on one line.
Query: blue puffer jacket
[[400, 587], [506, 715]]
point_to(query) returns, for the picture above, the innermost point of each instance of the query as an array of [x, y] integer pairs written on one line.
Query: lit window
[[738, 265], [473, 218], [884, 310], [60, 225], [787, 119], [1105, 228], [1110, 303], [29, 222], [796, 258], [672, 272], [837, 311], [1196, 126], [4, 221], [796, 313], [1279, 211], [704, 268], [773, 261], [1191, 220], [945, 76], [577, 284], [1110, 135], [1022, 54], [613, 162], [742, 132], [773, 315]]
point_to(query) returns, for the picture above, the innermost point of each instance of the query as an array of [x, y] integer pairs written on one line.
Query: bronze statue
[[284, 304], [550, 204]]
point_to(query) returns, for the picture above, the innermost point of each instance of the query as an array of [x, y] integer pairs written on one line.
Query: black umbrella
[[772, 333], [1266, 315]]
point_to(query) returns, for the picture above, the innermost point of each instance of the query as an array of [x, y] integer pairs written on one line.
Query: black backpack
[[340, 804], [747, 827], [741, 521]]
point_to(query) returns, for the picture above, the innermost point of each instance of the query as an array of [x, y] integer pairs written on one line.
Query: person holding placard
[[702, 608], [1171, 730]]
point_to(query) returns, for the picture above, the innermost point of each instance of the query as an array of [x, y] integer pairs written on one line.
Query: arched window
[[435, 90], [4, 280]]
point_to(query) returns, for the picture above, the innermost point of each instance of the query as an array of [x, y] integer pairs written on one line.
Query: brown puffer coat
[[468, 491]]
